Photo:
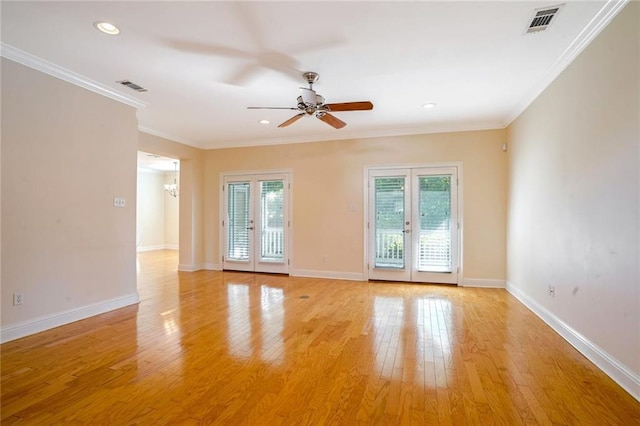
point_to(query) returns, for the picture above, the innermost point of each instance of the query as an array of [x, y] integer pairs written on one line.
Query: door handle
[[406, 231], [251, 227]]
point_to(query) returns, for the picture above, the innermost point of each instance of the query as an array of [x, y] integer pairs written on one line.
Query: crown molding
[[582, 40], [69, 76]]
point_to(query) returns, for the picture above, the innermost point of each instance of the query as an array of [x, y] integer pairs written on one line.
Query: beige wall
[[191, 229], [64, 245], [328, 177], [150, 212], [574, 195]]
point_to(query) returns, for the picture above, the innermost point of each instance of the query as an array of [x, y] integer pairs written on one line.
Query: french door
[[255, 223], [413, 225]]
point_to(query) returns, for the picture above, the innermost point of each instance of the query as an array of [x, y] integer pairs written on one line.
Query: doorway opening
[[157, 212]]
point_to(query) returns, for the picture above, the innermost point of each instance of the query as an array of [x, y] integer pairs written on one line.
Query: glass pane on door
[[389, 222], [238, 234], [434, 244], [272, 221]]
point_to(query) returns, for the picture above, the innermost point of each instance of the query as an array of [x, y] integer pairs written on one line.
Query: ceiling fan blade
[[350, 106], [290, 108], [332, 120], [292, 120], [243, 75], [207, 49]]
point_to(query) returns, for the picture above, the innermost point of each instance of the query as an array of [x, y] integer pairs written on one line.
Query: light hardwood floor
[[239, 348]]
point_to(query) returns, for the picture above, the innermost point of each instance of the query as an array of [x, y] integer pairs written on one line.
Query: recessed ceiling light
[[429, 105], [264, 121], [107, 28]]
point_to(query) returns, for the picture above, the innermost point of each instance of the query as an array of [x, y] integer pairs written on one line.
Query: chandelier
[[172, 188]]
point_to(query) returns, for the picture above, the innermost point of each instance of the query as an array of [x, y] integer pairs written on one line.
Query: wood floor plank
[[214, 347]]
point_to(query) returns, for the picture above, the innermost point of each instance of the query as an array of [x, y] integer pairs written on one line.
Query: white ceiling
[[157, 163], [471, 58]]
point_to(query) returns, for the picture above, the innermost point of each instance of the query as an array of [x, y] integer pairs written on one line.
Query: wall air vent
[[131, 85], [542, 18]]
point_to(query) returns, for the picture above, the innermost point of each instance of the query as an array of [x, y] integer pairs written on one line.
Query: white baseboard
[[26, 328], [150, 248], [621, 374], [482, 282], [311, 273], [183, 267], [157, 247], [211, 266]]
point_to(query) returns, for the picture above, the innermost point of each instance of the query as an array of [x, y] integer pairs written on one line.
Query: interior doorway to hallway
[[157, 211]]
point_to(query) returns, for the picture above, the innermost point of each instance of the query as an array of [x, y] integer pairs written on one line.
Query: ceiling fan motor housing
[[311, 77]]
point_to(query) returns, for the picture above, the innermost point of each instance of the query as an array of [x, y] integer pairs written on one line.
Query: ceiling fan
[[309, 102]]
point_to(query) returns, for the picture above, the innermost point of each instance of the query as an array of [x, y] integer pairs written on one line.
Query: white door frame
[[251, 176], [395, 167]]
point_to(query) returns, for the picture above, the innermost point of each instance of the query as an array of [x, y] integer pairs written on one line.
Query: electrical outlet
[[18, 299], [119, 202]]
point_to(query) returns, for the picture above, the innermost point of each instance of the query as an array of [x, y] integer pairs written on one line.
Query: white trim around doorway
[[365, 210], [222, 213]]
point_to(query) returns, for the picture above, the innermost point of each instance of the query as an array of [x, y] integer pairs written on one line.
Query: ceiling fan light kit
[[311, 103]]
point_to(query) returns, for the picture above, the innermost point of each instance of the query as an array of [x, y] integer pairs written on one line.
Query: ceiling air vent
[[542, 18], [131, 85]]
